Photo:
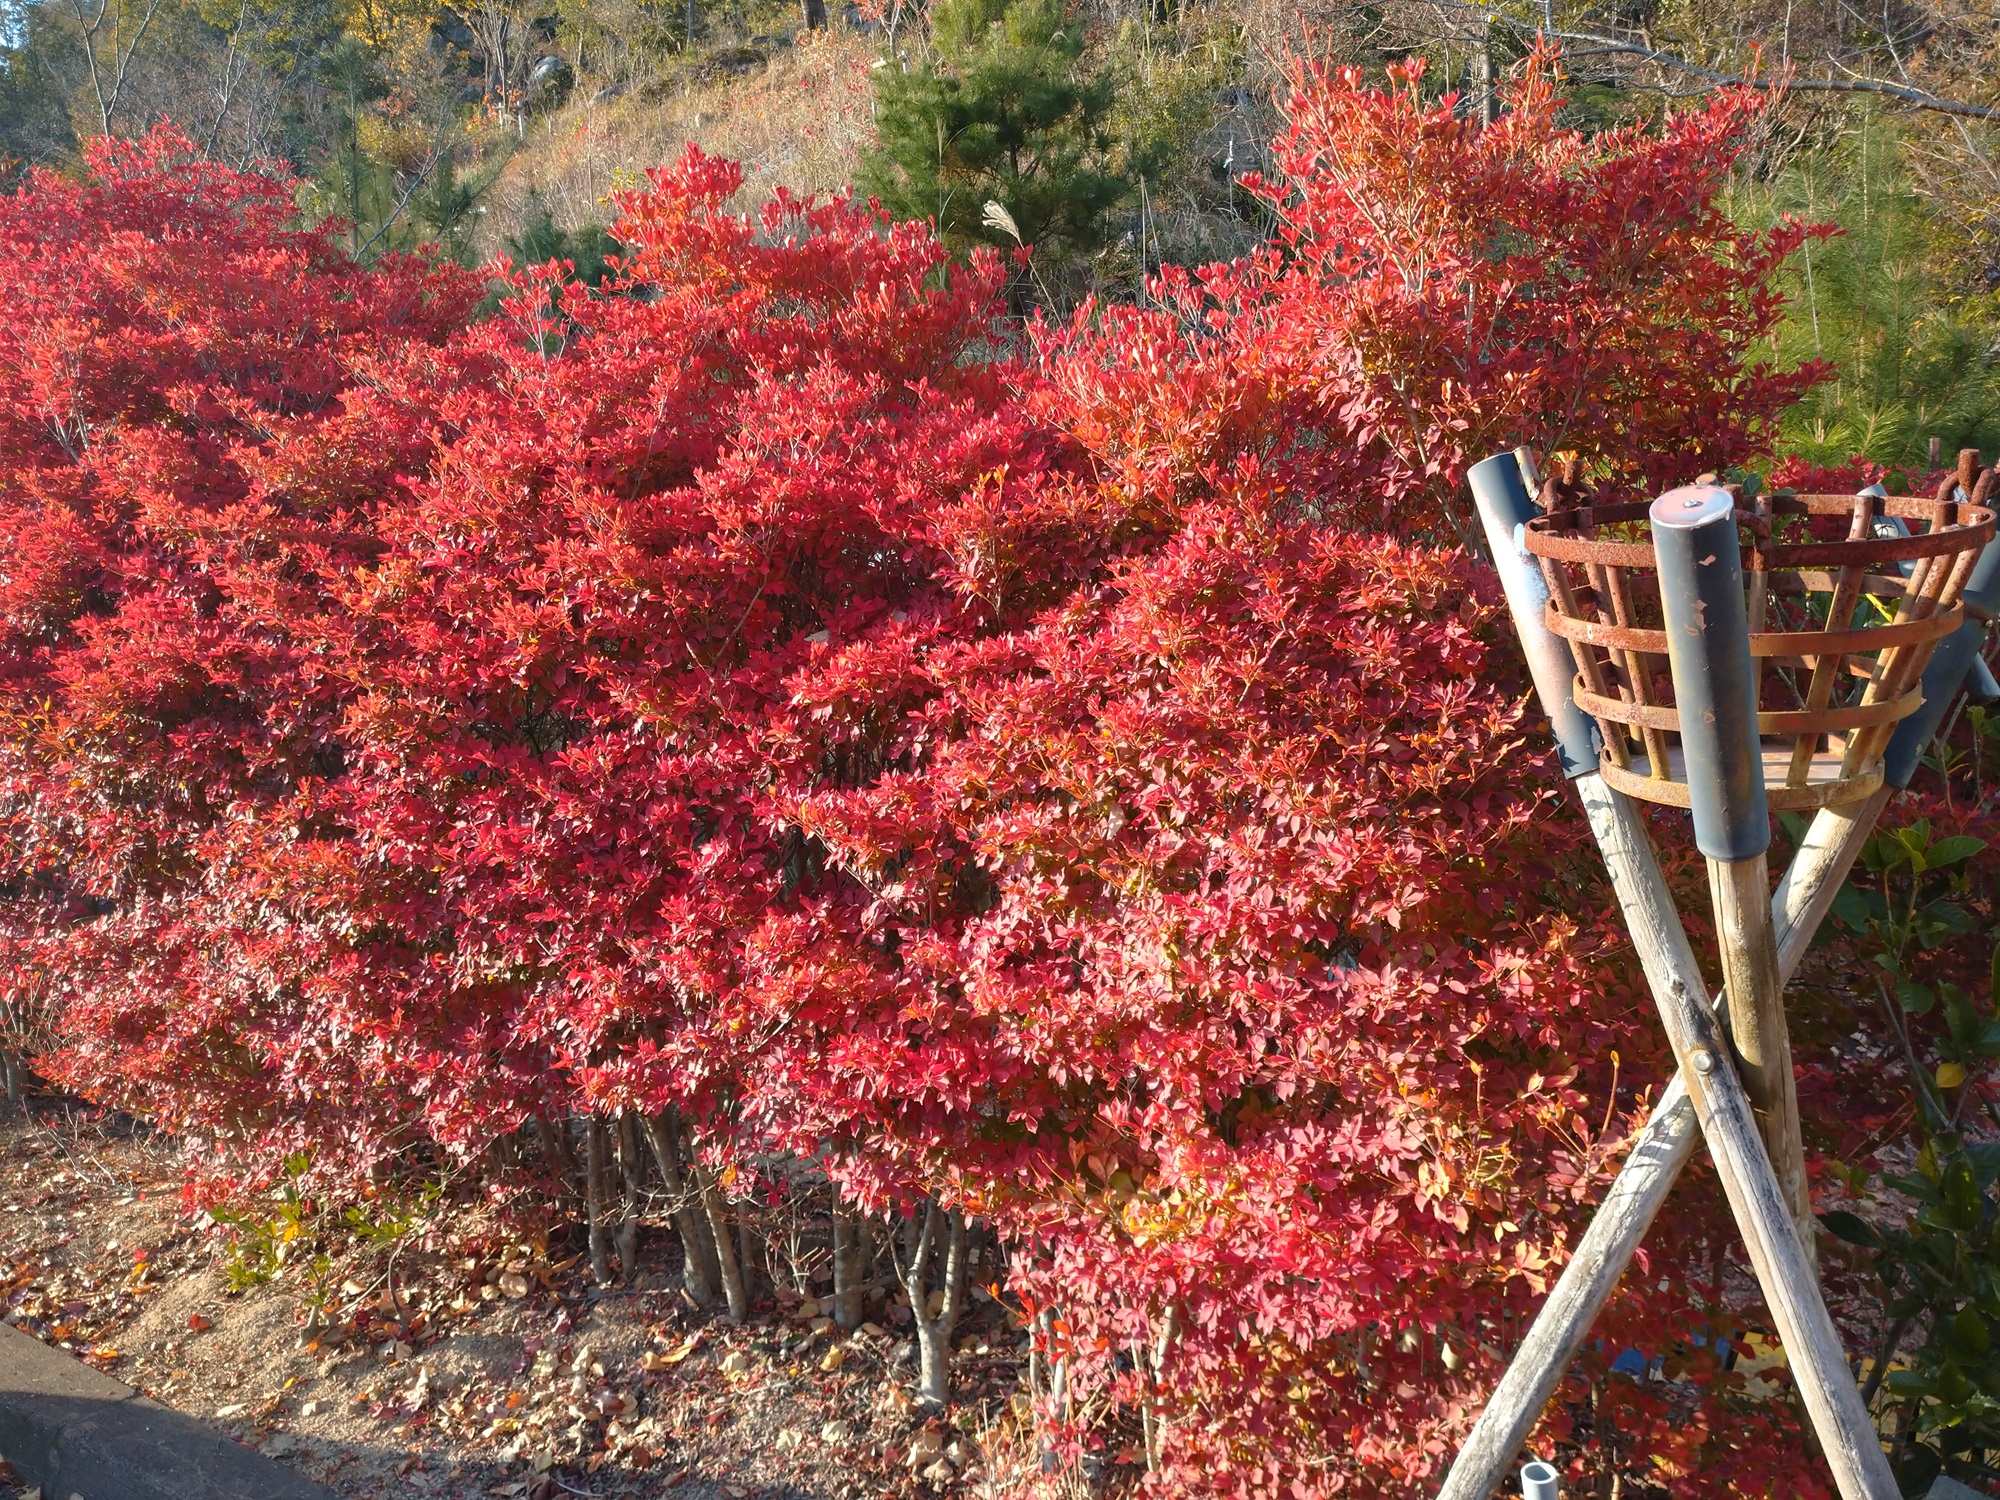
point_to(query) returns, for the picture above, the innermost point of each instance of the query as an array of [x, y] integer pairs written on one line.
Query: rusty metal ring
[[1934, 626], [1778, 798], [1786, 722], [1550, 536]]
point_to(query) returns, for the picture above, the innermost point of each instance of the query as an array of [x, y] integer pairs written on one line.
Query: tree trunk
[[1058, 1373], [699, 1272], [1485, 100], [1155, 1422], [934, 1333], [10, 1067], [594, 1167], [631, 1171], [749, 1259], [852, 1254], [725, 1245]]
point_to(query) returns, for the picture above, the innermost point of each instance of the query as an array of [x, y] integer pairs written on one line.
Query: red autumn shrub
[[760, 445], [515, 870], [1436, 293], [750, 694], [1244, 913], [1246, 984], [183, 477]]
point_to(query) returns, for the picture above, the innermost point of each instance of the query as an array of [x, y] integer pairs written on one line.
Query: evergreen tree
[[587, 249], [38, 59], [1889, 302], [1002, 111]]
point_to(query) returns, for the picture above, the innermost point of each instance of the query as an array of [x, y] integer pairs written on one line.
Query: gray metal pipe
[[1505, 510], [1954, 664], [1708, 650], [1980, 685]]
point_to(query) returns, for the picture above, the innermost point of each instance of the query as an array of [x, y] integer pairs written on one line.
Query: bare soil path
[[468, 1373]]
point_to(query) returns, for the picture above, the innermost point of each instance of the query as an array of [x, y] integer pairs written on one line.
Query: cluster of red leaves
[[1027, 775], [1436, 293], [185, 485]]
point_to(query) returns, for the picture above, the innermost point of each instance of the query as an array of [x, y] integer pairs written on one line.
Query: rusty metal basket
[[1847, 594]]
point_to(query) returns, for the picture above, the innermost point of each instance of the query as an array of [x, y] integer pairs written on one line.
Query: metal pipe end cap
[[1691, 506]]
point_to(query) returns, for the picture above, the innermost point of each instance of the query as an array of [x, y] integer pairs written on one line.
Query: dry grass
[[798, 121]]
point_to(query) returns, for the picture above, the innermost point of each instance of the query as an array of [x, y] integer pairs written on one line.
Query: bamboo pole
[[1747, 946], [1722, 1108], [1663, 1147], [1708, 626]]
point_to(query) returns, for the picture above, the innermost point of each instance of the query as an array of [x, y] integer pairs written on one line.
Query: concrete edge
[[77, 1432]]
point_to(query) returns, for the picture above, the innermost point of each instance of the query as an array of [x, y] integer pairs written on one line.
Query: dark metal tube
[[1504, 509], [1980, 686], [1952, 663], [1708, 650]]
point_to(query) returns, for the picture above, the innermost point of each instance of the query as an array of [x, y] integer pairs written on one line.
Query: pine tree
[[1002, 112], [1889, 302]]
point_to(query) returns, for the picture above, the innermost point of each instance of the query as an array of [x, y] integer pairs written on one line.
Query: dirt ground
[[384, 1370]]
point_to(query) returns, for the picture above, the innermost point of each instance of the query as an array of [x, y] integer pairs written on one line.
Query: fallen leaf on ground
[[664, 1359]]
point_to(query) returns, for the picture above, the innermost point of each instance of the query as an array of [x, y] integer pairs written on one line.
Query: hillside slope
[[796, 114]]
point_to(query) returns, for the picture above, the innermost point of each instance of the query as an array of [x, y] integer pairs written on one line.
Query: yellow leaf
[[673, 1356], [1950, 1075]]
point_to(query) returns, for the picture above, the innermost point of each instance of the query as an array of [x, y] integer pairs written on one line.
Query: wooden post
[[1722, 1108], [1587, 1282], [1819, 865], [1664, 1146], [1748, 949], [1715, 691]]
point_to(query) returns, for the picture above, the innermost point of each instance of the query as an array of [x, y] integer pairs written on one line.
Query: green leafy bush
[[1931, 1232]]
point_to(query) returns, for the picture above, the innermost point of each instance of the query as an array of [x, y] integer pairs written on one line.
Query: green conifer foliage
[[1003, 111], [1889, 302]]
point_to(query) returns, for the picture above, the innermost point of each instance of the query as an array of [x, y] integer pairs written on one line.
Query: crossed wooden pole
[[1749, 1117]]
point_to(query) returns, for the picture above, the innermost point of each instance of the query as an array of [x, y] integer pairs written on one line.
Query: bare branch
[[121, 66], [1915, 97], [417, 179]]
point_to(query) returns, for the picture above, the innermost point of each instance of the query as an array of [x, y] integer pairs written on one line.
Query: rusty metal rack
[[1729, 655], [1847, 595]]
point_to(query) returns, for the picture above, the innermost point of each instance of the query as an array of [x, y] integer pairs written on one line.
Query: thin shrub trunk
[[749, 1257], [699, 1271], [595, 1150], [934, 1333], [631, 1171], [852, 1254], [733, 1290]]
